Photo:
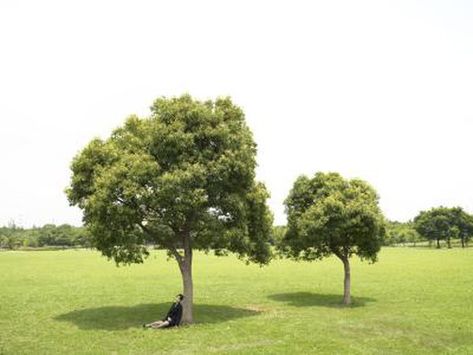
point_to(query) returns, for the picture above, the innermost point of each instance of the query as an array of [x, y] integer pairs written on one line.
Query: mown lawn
[[411, 301]]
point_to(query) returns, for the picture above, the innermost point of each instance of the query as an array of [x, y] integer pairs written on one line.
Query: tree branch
[[169, 246], [338, 253], [176, 254]]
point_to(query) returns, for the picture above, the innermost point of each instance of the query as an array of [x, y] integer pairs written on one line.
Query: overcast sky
[[380, 90]]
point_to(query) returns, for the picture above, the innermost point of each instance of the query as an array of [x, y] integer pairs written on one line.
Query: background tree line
[[49, 235], [452, 226]]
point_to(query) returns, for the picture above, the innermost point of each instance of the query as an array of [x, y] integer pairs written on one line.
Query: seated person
[[172, 319]]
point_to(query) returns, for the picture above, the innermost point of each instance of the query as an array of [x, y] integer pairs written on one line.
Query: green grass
[[411, 301]]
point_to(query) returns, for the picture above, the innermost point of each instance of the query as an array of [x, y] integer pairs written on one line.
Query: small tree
[[463, 225], [182, 179], [433, 224], [399, 232], [443, 223], [4, 242], [330, 215]]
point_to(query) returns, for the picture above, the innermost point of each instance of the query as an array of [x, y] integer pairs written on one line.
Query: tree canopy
[[182, 178], [327, 215], [401, 233], [444, 223]]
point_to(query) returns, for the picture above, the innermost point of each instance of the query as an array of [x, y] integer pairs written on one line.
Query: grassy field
[[411, 301]]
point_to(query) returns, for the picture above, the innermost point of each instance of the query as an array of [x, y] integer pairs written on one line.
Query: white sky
[[381, 90]]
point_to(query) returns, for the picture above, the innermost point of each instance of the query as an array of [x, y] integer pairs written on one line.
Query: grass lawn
[[411, 301]]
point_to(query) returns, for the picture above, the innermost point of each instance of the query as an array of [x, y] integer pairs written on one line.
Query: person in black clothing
[[172, 319]]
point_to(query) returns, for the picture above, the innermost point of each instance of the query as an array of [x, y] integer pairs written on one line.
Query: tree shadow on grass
[[308, 299], [124, 317]]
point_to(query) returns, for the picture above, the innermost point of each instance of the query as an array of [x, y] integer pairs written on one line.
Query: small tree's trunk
[[346, 281], [438, 243], [463, 241], [448, 243], [185, 265], [186, 271]]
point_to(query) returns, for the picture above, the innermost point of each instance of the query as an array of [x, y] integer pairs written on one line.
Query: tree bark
[[185, 265], [463, 242], [438, 243], [448, 243], [346, 282]]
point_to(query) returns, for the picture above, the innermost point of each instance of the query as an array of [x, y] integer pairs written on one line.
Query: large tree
[[182, 179], [327, 215]]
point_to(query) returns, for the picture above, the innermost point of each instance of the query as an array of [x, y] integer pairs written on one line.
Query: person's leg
[[160, 325], [154, 324]]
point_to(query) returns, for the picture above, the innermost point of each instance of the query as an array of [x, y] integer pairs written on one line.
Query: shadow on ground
[[308, 299], [123, 317]]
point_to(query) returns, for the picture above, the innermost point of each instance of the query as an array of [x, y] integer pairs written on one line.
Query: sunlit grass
[[411, 301]]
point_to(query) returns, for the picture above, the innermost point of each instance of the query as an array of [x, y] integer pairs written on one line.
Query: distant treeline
[[49, 235], [402, 233], [451, 226], [435, 227], [406, 234]]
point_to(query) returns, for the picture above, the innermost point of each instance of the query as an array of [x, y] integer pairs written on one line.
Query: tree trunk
[[438, 243], [346, 282], [448, 243], [185, 265], [463, 241], [186, 271]]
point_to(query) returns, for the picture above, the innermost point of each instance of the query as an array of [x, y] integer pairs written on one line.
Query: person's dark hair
[[181, 296]]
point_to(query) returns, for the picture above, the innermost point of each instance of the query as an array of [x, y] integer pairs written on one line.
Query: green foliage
[[401, 233], [277, 234], [184, 173], [330, 215], [443, 223], [463, 225], [3, 241], [49, 235], [434, 224]]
